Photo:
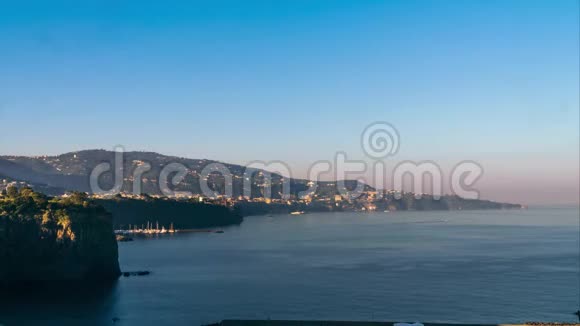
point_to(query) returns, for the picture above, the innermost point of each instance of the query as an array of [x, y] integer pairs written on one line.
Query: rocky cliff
[[44, 239]]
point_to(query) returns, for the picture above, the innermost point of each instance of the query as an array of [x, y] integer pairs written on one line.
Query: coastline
[[402, 211]]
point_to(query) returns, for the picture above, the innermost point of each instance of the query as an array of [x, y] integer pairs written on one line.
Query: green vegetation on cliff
[[50, 239]]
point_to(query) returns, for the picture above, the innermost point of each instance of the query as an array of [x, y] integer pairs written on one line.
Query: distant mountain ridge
[[71, 171], [55, 175]]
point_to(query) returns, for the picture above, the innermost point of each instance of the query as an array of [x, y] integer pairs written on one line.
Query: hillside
[[71, 171]]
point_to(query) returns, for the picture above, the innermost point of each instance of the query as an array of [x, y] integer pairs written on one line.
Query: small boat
[[297, 213], [123, 238], [219, 231]]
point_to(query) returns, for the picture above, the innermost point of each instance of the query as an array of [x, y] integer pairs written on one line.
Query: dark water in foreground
[[476, 266]]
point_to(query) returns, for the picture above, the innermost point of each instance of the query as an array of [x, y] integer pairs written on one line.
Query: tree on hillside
[[11, 192]]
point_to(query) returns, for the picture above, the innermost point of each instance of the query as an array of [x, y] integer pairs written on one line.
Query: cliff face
[[46, 239], [182, 214]]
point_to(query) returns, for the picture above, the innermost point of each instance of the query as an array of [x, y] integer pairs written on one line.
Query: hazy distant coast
[[71, 172]]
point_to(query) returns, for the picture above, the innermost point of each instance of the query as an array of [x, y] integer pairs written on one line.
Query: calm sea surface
[[464, 266]]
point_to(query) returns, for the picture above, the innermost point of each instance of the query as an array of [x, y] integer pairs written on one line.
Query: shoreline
[[402, 211]]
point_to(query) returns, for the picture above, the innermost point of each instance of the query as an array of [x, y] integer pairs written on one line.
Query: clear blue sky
[[492, 81]]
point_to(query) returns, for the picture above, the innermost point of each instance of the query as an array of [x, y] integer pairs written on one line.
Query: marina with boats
[[124, 235], [146, 229]]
